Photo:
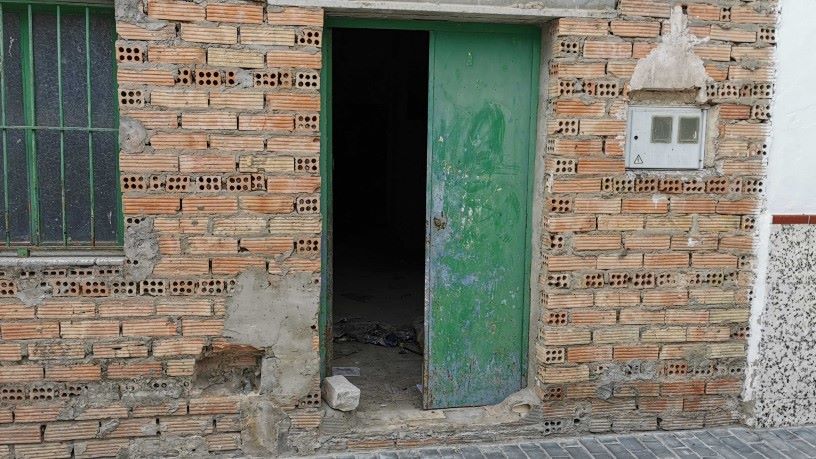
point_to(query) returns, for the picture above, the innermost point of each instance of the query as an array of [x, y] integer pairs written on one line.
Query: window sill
[[10, 259]]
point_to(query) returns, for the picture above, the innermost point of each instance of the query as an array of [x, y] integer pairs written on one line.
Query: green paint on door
[[481, 120]]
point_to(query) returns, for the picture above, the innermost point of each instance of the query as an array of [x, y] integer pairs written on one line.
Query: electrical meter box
[[665, 137]]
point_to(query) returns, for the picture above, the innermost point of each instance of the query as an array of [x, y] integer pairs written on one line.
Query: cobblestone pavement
[[735, 442]]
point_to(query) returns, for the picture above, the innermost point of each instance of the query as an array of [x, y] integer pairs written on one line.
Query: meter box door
[[665, 138]]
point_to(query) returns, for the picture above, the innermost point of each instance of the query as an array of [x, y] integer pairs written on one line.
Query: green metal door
[[482, 102]]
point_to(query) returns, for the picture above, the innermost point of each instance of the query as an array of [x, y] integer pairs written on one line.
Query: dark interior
[[379, 119]]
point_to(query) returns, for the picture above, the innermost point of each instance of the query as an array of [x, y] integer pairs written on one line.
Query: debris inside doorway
[[378, 333]]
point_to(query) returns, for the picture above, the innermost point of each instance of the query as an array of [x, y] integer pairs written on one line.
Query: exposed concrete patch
[[141, 250], [265, 429], [132, 135], [154, 392], [244, 78], [278, 316], [234, 370], [613, 374], [181, 447], [784, 382], [673, 64], [33, 292]]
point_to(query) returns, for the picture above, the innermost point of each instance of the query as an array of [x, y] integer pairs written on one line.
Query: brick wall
[[647, 276], [645, 286], [219, 173]]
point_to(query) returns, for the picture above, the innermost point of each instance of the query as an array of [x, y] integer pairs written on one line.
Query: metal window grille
[[59, 126]]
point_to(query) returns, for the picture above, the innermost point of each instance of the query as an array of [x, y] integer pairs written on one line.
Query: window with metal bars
[[59, 127]]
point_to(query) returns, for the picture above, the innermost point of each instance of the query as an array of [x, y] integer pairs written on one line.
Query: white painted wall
[[792, 157]]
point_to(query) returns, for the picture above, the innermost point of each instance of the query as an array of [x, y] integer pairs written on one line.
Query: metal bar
[[27, 38], [80, 3], [90, 122], [60, 128], [62, 123], [118, 211], [6, 222]]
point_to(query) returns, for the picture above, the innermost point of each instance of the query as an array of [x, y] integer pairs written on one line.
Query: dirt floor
[[388, 376], [374, 291]]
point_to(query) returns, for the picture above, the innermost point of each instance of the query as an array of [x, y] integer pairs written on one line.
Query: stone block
[[340, 394]]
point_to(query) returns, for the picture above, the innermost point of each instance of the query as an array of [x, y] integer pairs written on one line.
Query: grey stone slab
[[671, 441], [532, 450], [696, 445], [449, 453], [578, 452], [769, 452], [631, 443], [645, 454], [471, 452], [593, 446], [618, 451], [657, 448], [796, 442], [685, 452], [492, 452], [775, 442], [553, 449], [716, 443], [513, 452], [740, 447], [745, 435], [807, 434]]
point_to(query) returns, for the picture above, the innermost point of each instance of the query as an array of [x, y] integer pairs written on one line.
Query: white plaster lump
[[340, 394], [673, 64]]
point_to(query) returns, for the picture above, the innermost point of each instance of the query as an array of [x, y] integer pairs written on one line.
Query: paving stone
[[715, 443], [734, 442], [656, 447], [740, 447], [807, 434], [578, 452], [493, 454], [696, 445], [553, 449], [684, 452], [618, 451], [594, 447], [532, 450], [513, 452], [745, 435], [631, 443], [792, 439], [471, 452], [449, 453]]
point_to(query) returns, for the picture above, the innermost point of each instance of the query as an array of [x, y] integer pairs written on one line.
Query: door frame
[[327, 163]]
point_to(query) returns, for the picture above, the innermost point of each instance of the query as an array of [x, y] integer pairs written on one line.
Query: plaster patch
[[279, 316], [672, 65], [132, 135], [141, 249]]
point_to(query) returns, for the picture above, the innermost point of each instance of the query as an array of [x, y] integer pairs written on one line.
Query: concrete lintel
[[424, 9], [50, 261]]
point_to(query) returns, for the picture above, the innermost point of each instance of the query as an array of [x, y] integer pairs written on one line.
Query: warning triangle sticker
[[638, 160]]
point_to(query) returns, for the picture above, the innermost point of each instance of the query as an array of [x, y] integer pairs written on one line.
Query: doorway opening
[[379, 148]]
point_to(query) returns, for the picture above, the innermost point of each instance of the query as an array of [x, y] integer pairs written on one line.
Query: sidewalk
[[735, 442]]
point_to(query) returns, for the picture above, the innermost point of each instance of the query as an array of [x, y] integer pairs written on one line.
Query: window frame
[[26, 9]]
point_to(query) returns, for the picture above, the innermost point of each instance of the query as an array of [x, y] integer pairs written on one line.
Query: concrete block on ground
[[340, 394]]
